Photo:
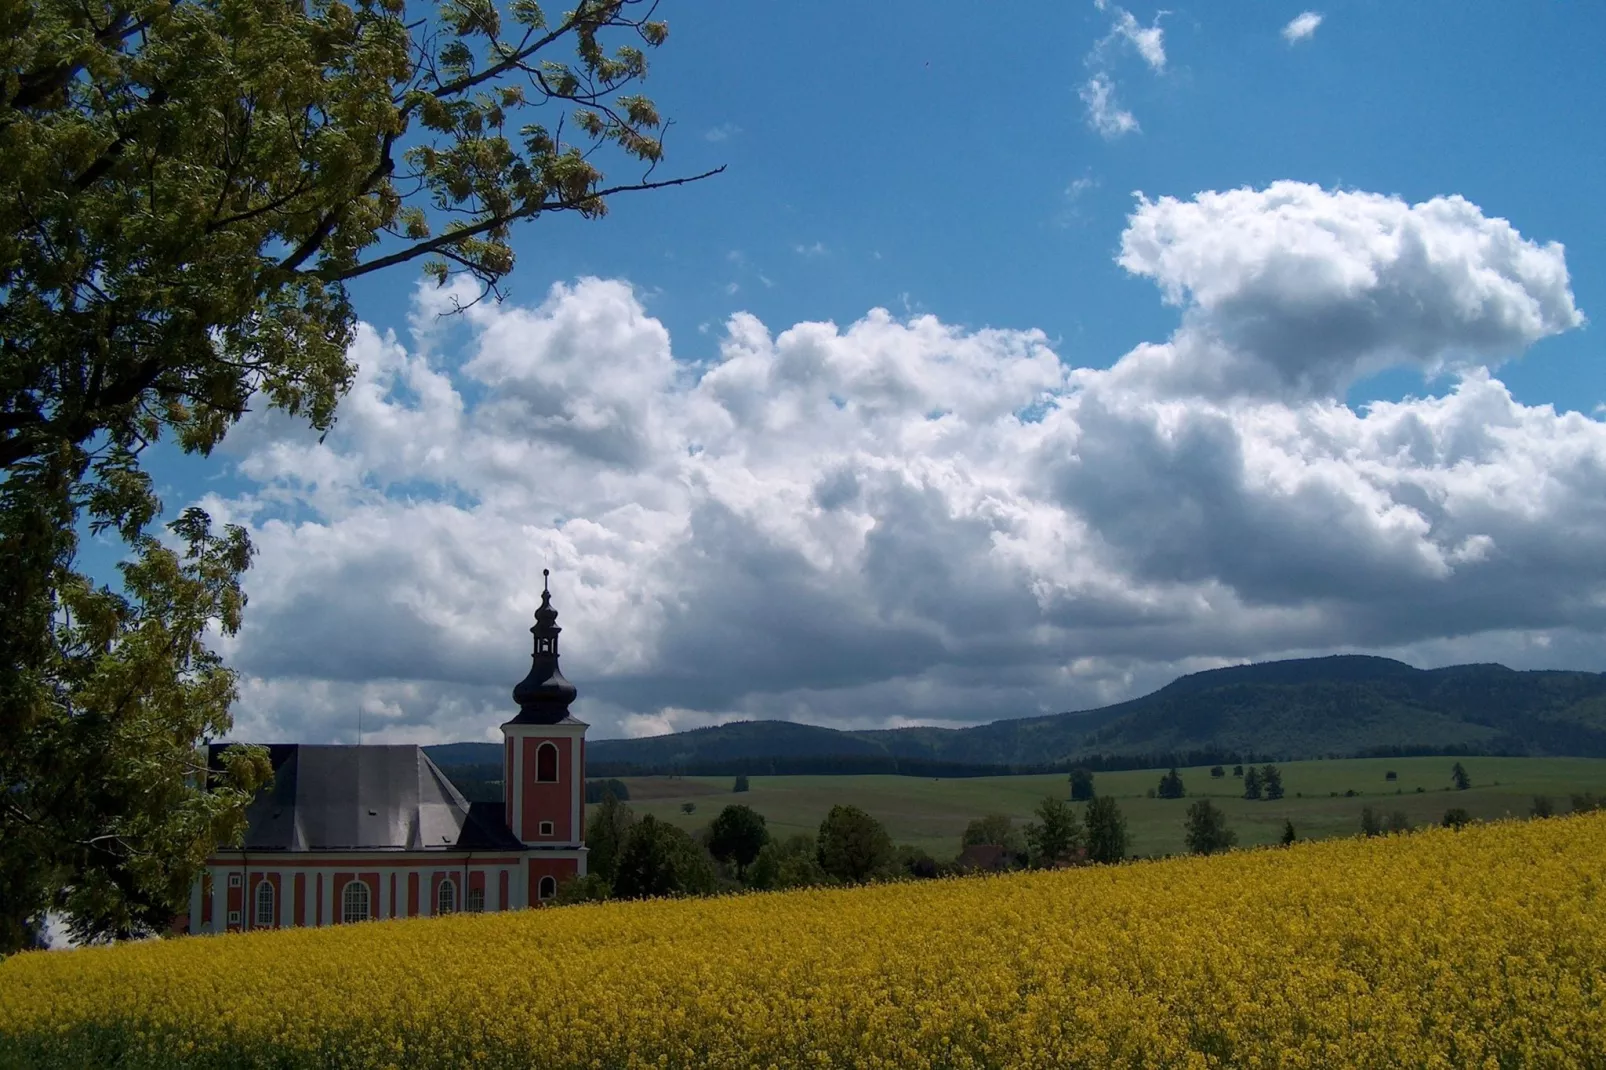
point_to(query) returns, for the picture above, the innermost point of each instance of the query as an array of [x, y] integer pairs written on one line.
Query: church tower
[[544, 755]]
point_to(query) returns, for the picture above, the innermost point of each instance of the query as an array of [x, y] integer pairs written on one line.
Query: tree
[[1288, 833], [740, 785], [994, 828], [1544, 806], [1217, 772], [1206, 831], [1237, 770], [1458, 775], [591, 888], [688, 808], [1397, 822], [1252, 786], [852, 845], [1081, 784], [788, 863], [659, 859], [1587, 802], [737, 835], [607, 831], [187, 190], [1271, 779], [1056, 834], [1171, 785], [1391, 775], [1106, 831], [1371, 822], [1456, 817]]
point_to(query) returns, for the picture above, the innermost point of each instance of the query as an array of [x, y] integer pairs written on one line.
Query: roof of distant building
[[388, 797]]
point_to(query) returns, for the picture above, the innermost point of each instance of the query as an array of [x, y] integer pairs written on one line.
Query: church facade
[[353, 833]]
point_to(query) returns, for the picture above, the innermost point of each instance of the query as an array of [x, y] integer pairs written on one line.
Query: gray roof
[[383, 798]]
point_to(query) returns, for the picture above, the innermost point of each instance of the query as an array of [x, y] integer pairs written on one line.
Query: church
[[352, 833]]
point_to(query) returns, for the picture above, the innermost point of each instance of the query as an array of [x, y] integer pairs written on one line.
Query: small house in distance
[[351, 833]]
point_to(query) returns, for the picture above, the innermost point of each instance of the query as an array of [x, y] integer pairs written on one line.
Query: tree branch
[[444, 240]]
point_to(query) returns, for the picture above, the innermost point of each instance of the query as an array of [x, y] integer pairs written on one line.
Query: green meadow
[[932, 813]]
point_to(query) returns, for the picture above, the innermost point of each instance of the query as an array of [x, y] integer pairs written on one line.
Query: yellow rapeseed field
[[1484, 947]]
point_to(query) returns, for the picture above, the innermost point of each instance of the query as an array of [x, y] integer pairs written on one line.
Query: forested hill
[[1314, 707]]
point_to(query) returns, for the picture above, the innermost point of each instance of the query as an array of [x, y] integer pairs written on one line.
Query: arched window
[[264, 904], [474, 901], [354, 902], [547, 888], [446, 897], [546, 763]]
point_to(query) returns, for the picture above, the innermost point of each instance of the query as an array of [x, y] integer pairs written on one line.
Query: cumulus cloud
[[1297, 290], [1301, 26], [899, 521]]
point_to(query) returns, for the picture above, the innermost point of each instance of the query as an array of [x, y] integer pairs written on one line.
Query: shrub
[[1456, 817]]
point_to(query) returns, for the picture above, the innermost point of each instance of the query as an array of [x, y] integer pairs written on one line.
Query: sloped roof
[[377, 798]]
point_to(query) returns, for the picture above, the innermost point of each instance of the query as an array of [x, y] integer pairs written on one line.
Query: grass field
[[933, 813]]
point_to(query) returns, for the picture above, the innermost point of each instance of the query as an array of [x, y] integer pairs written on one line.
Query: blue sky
[[944, 160]]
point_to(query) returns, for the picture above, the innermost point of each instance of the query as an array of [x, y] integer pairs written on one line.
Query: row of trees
[[638, 857], [1059, 835]]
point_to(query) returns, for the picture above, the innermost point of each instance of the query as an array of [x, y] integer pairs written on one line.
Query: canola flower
[[1483, 947]]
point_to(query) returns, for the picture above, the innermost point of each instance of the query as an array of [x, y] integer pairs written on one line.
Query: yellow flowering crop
[[1484, 947]]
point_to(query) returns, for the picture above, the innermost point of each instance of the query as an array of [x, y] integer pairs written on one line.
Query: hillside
[[1305, 708]]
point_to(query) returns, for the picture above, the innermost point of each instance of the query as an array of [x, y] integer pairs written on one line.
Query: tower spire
[[544, 695]]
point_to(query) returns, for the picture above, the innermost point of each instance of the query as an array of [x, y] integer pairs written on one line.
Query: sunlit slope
[[1483, 947]]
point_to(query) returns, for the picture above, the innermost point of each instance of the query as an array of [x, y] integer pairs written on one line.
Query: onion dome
[[544, 695]]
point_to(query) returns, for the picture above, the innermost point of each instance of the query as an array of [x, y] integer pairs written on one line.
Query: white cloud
[[722, 132], [901, 521], [1148, 40], [1104, 114], [1301, 26], [812, 249]]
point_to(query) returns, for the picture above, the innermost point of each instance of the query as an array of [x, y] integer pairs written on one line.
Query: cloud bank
[[900, 521]]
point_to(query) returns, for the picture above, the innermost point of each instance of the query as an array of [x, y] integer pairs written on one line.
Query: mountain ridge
[[1335, 706]]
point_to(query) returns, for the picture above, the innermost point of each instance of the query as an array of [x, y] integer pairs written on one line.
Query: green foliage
[[1106, 831], [852, 845], [1081, 784], [1237, 770], [186, 189], [913, 862], [591, 888], [994, 828], [1456, 817], [737, 835], [1398, 821], [1587, 802], [741, 784], [1056, 835], [1206, 830], [1288, 833], [105, 815], [1271, 781], [607, 831], [1391, 776], [789, 863], [1371, 822], [1252, 784], [1544, 806], [688, 808], [1217, 772], [1458, 776], [659, 859], [1171, 785]]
